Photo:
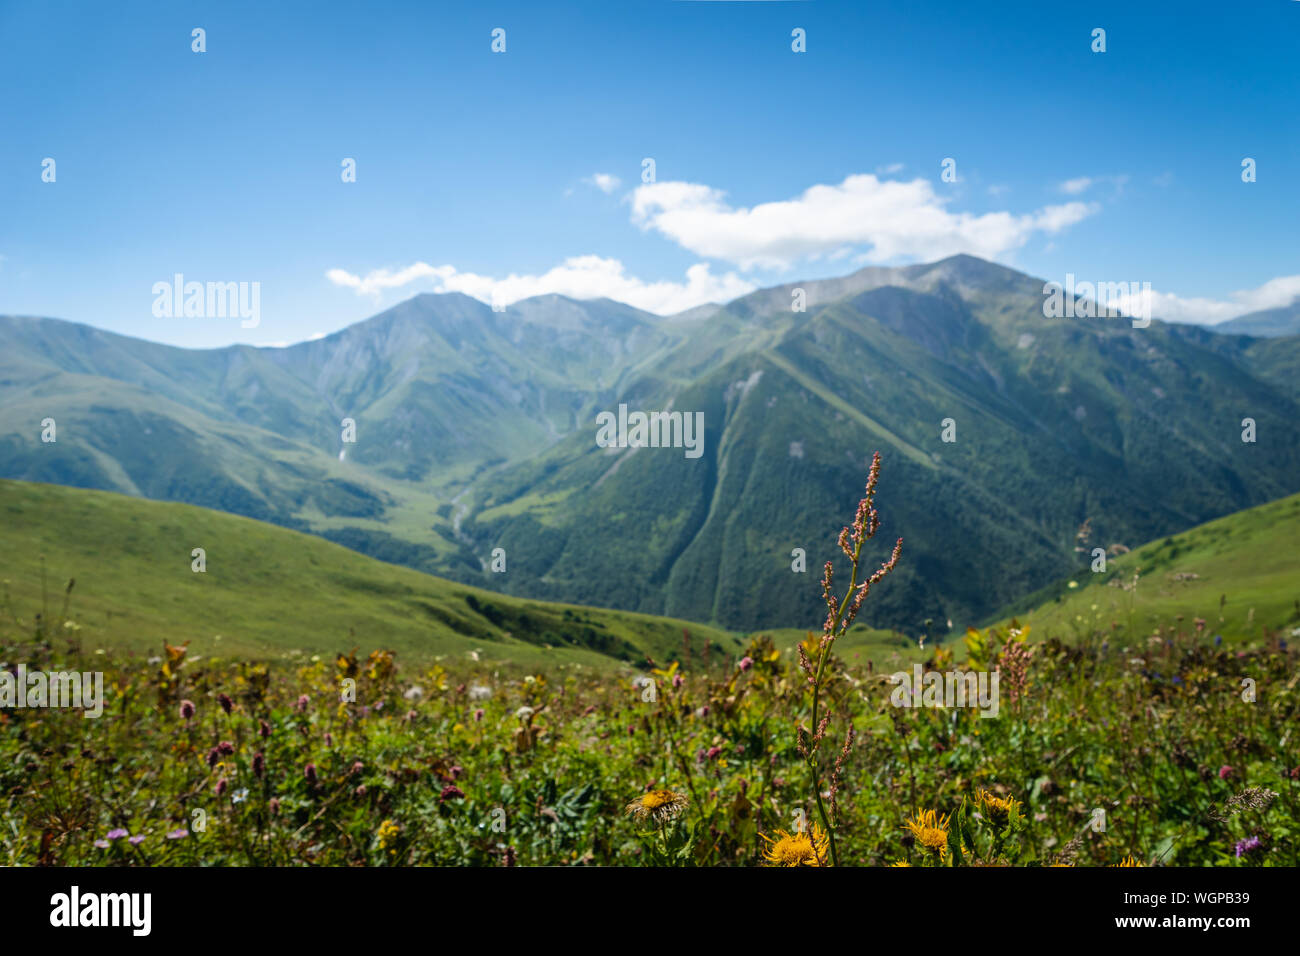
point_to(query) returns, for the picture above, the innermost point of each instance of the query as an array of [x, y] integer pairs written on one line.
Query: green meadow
[[270, 592], [1240, 575]]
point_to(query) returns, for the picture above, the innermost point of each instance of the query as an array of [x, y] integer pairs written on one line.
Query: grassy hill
[[272, 592], [1241, 574]]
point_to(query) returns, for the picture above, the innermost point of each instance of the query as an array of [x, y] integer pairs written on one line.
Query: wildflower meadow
[[1109, 747]]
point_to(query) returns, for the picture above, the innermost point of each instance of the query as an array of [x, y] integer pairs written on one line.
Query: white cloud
[[579, 277], [895, 219], [605, 182], [1273, 294], [1081, 184], [379, 279], [890, 170]]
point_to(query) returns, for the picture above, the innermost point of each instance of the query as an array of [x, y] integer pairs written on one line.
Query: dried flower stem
[[840, 614]]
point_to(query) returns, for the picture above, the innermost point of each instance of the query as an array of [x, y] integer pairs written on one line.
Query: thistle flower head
[[1247, 845]]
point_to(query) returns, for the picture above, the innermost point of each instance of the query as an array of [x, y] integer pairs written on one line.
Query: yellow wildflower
[[387, 834], [996, 808], [798, 849], [930, 831], [657, 805]]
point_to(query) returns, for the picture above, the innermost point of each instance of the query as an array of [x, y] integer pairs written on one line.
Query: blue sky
[[475, 167]]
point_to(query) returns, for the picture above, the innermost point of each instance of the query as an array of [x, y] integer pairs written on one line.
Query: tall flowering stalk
[[840, 613]]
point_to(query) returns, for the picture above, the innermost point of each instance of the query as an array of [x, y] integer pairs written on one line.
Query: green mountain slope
[[270, 592], [1272, 359], [1057, 422], [1240, 574]]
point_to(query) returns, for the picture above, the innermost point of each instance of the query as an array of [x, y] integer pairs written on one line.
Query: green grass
[[271, 592], [861, 645], [1241, 574]]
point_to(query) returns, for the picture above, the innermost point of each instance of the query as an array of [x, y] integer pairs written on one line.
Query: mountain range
[[476, 430], [1284, 320]]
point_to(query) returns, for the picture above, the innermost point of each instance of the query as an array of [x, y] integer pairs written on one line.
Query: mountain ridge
[[475, 430]]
